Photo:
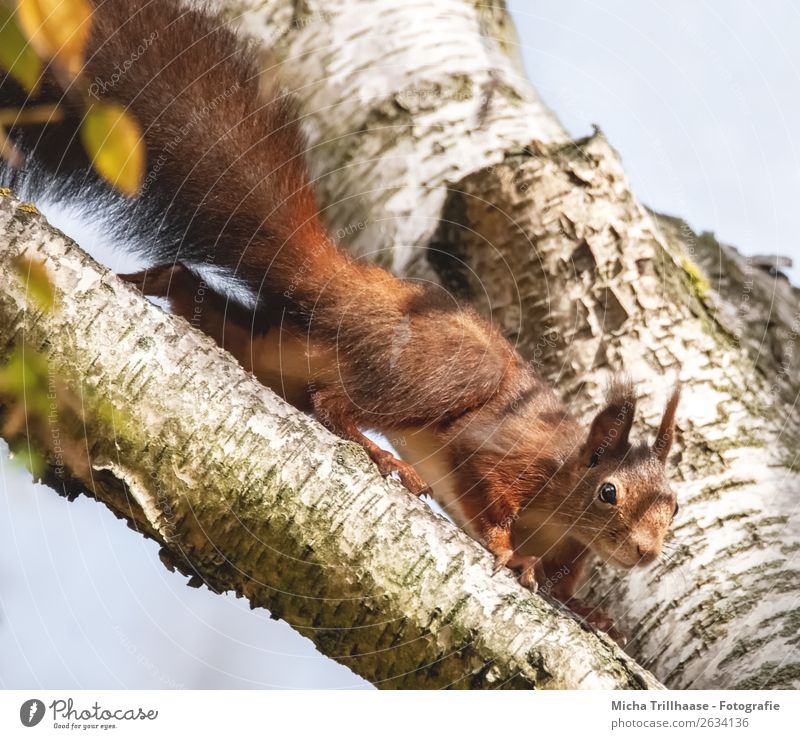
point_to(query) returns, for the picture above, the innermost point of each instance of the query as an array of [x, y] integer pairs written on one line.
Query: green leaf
[[114, 142], [17, 375], [16, 55], [25, 372]]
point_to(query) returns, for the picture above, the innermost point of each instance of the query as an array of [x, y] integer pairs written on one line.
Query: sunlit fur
[[227, 196], [542, 461]]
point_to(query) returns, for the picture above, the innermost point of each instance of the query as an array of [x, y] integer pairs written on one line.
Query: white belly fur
[[429, 454]]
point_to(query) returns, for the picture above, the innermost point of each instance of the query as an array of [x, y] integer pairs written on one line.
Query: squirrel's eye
[[675, 512], [608, 493]]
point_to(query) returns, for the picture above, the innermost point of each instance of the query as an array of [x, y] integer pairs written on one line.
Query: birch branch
[[246, 494], [438, 159]]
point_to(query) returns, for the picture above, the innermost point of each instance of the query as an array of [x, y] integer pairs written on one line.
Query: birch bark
[[435, 157], [245, 493]]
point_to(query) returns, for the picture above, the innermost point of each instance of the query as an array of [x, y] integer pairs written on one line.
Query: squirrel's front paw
[[597, 618], [530, 570], [529, 567], [501, 560]]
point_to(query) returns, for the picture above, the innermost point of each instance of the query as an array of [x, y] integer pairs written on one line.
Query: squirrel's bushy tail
[[225, 183]]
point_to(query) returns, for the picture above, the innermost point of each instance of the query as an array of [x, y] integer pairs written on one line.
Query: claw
[[529, 567], [412, 481], [528, 579], [501, 560], [388, 464]]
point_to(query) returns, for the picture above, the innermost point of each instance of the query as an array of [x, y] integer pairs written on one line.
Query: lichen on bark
[[546, 237], [244, 493]]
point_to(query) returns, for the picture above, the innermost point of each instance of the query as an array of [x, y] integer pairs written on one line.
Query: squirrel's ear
[[611, 427], [666, 431]]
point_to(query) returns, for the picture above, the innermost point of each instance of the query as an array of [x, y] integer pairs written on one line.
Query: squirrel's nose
[[646, 554]]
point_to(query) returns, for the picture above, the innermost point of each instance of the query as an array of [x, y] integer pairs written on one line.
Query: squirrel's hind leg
[[333, 409]]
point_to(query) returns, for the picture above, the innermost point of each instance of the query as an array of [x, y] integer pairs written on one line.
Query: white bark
[[245, 493], [549, 240], [614, 293], [401, 97]]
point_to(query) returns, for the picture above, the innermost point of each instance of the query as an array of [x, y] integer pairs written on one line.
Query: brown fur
[[348, 341]]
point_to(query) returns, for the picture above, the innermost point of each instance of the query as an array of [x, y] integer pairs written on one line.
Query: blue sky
[[700, 98]]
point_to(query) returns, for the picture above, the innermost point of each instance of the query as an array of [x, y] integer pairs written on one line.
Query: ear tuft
[[666, 431], [621, 392], [611, 427]]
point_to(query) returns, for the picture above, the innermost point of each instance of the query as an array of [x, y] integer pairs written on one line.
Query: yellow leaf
[[17, 57], [34, 274], [57, 29], [114, 142]]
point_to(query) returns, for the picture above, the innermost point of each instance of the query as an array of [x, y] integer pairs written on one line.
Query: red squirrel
[[228, 218]]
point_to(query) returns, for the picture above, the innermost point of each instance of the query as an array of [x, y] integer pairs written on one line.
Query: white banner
[[325, 714]]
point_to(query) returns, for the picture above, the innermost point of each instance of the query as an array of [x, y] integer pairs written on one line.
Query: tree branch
[[546, 237], [246, 494]]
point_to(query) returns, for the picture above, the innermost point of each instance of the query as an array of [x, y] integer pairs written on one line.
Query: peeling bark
[[611, 292], [436, 158], [244, 493]]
